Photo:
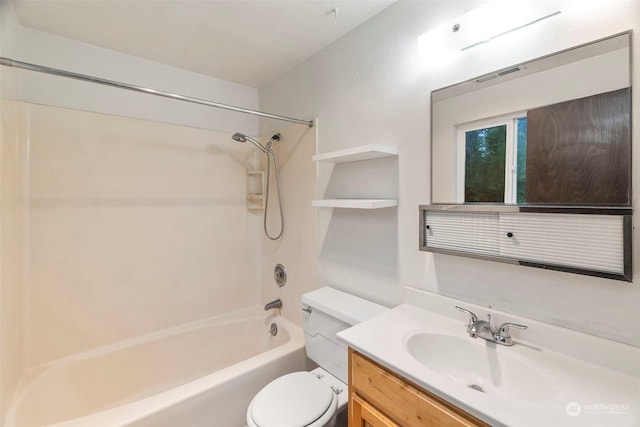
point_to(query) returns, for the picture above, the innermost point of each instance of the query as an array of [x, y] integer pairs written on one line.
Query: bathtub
[[202, 374]]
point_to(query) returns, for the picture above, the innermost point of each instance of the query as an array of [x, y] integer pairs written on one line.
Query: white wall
[[371, 87], [58, 52]]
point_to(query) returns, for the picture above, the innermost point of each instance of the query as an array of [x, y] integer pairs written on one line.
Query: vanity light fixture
[[481, 25]]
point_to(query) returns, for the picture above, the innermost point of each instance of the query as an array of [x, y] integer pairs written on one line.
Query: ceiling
[[244, 41]]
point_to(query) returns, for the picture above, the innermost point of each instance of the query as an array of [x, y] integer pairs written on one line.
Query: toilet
[[317, 398]]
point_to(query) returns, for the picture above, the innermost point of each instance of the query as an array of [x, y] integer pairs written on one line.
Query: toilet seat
[[299, 399]]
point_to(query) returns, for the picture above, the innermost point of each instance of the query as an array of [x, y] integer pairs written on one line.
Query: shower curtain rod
[[8, 62]]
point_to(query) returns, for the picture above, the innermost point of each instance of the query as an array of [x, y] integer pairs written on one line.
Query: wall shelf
[[364, 152], [355, 154], [355, 203]]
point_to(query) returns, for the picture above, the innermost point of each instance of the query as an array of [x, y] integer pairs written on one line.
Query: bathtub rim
[[127, 413], [229, 317]]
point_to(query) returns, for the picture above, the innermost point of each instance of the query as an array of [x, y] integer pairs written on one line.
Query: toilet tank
[[327, 311]]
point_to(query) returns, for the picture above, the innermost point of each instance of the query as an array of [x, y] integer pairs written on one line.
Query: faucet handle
[[503, 336], [503, 330], [472, 317]]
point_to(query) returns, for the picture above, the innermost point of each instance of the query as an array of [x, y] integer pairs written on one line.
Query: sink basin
[[480, 365], [551, 376]]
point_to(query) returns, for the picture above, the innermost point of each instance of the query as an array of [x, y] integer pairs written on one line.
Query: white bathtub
[[203, 374]]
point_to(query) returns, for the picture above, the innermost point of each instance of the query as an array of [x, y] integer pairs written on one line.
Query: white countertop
[[578, 379]]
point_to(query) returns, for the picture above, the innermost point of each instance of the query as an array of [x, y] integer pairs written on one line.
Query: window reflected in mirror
[[494, 162]]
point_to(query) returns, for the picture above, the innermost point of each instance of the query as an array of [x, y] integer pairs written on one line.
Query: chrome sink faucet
[[484, 329]]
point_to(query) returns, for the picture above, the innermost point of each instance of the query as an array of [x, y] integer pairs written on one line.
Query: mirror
[[552, 131]]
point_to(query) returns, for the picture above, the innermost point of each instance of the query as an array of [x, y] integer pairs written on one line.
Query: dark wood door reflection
[[579, 151]]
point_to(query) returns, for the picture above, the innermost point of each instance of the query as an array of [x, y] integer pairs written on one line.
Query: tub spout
[[273, 304]]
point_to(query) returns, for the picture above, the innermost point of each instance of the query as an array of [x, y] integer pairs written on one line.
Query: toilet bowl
[[317, 398]]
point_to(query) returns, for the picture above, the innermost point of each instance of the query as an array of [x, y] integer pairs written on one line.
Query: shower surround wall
[[297, 250], [12, 124], [134, 227]]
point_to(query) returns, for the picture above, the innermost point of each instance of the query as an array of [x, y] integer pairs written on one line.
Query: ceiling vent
[[509, 71], [498, 74]]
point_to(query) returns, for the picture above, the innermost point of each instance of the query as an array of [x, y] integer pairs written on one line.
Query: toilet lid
[[295, 400]]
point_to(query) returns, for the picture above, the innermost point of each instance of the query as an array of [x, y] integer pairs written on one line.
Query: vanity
[[417, 365], [378, 396]]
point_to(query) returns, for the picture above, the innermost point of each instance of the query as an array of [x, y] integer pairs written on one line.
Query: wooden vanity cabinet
[[379, 397]]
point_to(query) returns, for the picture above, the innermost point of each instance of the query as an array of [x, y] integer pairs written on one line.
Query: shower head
[[240, 137]]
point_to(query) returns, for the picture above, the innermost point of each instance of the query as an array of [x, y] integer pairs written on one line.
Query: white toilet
[[317, 398]]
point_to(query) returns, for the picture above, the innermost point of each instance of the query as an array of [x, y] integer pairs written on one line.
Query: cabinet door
[[397, 399], [475, 232], [592, 242], [365, 415]]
